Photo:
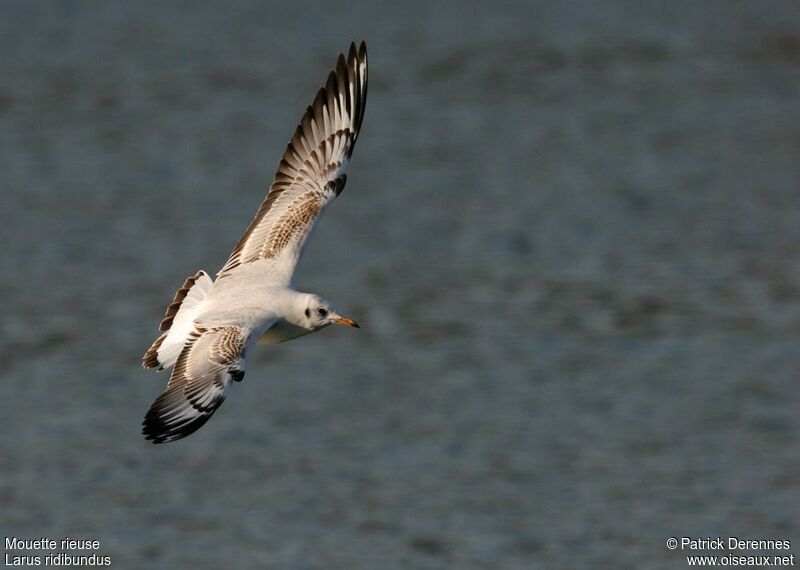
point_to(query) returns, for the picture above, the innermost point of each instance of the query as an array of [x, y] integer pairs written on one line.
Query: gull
[[212, 325]]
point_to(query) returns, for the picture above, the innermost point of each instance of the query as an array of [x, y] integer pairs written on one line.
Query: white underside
[[245, 299], [281, 332]]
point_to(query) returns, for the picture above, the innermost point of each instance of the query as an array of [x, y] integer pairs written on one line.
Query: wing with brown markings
[[312, 171], [210, 361]]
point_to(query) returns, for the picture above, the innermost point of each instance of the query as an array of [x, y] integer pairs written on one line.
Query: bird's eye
[[322, 312]]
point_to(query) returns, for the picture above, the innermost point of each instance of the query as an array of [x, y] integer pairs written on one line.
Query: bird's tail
[[178, 322]]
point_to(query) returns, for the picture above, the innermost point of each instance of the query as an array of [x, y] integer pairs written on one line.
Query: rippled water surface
[[571, 234]]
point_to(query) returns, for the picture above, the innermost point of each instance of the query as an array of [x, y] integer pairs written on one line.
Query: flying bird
[[212, 324]]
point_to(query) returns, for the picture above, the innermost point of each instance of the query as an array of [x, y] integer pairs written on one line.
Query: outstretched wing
[[311, 173], [211, 359]]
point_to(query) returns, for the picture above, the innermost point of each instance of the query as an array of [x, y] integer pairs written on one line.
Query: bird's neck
[[293, 305]]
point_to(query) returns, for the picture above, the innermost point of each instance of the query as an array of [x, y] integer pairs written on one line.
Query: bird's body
[[212, 325]]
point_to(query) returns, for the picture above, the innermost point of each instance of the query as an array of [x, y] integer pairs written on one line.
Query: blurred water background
[[570, 234]]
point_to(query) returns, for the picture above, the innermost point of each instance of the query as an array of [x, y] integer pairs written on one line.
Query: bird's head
[[318, 314]]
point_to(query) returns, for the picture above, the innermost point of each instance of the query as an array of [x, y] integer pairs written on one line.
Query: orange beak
[[340, 320]]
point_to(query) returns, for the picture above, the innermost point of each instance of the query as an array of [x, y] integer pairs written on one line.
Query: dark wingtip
[[158, 432], [358, 52], [156, 425]]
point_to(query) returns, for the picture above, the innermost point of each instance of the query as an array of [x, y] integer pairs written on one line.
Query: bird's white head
[[317, 313]]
